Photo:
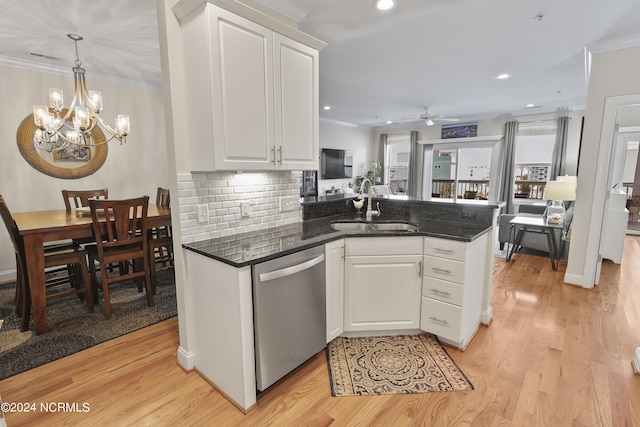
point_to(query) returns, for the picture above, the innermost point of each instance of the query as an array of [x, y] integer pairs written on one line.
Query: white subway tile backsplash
[[223, 192]]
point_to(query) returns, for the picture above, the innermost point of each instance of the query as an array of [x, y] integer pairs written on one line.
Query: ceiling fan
[[431, 120]]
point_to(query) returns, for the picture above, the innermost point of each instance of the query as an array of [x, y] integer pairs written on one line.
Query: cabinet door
[[382, 292], [334, 262], [296, 104], [242, 92]]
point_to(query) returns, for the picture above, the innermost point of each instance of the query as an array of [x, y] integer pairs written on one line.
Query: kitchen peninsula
[[437, 275]]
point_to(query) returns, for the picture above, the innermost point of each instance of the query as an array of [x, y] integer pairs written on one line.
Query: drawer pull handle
[[443, 250], [441, 270], [435, 319], [438, 291]]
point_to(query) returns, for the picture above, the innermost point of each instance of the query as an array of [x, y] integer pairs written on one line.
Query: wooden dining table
[[39, 227]]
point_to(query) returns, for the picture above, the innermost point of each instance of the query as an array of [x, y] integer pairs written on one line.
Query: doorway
[[629, 141]]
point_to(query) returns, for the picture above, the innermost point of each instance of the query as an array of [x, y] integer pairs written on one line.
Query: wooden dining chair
[[80, 198], [74, 199], [160, 242], [120, 230], [59, 255], [163, 197]]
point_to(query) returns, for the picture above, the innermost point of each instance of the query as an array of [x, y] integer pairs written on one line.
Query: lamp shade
[[560, 190], [570, 178]]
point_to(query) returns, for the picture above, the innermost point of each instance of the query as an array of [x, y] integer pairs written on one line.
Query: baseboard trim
[[573, 279], [186, 359], [487, 316], [7, 276]]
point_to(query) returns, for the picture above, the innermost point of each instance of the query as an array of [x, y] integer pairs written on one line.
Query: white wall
[[358, 139], [133, 169], [612, 74]]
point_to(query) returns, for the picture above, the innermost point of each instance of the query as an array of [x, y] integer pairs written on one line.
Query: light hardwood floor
[[555, 355]]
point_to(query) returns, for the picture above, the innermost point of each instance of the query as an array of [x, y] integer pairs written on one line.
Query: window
[[534, 154], [462, 169], [396, 164], [461, 173]]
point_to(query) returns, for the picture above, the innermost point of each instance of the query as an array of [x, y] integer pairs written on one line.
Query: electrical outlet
[[247, 252], [289, 203], [203, 214], [245, 209]]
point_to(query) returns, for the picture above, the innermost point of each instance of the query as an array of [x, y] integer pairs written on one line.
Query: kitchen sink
[[394, 226], [382, 226], [351, 226]]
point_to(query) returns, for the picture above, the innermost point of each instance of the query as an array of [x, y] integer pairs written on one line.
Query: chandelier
[[60, 128]]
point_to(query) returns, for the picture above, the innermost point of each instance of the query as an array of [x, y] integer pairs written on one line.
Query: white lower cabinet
[[452, 288], [334, 264], [382, 292]]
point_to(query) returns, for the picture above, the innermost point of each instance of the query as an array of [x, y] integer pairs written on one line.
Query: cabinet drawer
[[442, 290], [383, 246], [441, 318], [444, 269], [443, 248]]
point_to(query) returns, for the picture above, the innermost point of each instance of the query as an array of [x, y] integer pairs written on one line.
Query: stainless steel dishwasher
[[289, 301]]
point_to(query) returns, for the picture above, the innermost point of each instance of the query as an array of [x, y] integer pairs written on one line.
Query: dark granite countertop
[[258, 246]]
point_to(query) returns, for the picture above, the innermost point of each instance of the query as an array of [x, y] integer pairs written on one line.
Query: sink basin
[[351, 226], [383, 226], [395, 226]]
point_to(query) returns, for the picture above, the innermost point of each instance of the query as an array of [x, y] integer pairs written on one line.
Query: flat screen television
[[336, 164]]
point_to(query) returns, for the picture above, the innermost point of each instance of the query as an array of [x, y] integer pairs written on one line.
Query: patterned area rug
[[392, 364], [73, 329]]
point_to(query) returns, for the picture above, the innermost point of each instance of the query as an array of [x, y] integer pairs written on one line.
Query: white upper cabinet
[[296, 100], [252, 95]]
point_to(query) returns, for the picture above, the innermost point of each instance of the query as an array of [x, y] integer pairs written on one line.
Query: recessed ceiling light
[[385, 4], [530, 105], [326, 107], [389, 122], [503, 76]]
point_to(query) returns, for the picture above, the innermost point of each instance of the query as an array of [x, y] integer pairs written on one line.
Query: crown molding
[[607, 46], [57, 70], [253, 11]]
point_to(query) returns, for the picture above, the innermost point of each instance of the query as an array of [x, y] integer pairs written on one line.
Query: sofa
[[533, 241]]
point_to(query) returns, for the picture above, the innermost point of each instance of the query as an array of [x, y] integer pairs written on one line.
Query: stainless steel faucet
[[370, 211]]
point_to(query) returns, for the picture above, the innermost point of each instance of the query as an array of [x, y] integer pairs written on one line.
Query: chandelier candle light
[[56, 133]]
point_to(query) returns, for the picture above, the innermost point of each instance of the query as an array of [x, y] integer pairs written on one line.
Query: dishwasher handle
[[277, 274]]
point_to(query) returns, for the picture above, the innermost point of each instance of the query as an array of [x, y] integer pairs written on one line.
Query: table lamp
[[571, 178], [558, 192]]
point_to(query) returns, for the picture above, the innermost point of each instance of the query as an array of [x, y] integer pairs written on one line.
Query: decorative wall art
[[465, 130], [66, 164]]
